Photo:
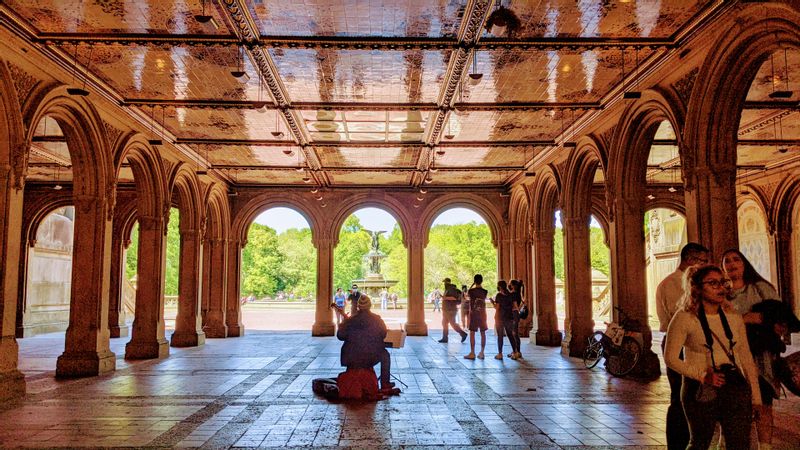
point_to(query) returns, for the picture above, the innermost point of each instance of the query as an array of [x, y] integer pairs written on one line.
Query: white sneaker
[[498, 356], [480, 355], [470, 356]]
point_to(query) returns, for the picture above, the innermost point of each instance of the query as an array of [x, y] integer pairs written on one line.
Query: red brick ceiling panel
[[505, 125], [470, 178], [269, 177], [484, 157], [405, 157], [249, 124], [378, 178], [548, 76], [769, 124], [390, 18], [370, 76], [176, 73], [248, 155], [118, 16], [772, 76], [585, 18]]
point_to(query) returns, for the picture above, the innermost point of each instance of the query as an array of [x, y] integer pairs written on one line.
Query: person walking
[[504, 302], [517, 288], [339, 299], [720, 379], [668, 295], [437, 300], [477, 315], [451, 299]]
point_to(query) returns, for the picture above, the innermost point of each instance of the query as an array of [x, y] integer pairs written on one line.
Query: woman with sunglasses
[[749, 288], [720, 380]]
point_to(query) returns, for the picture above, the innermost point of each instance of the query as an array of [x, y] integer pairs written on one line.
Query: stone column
[[116, 313], [415, 322], [233, 310], [188, 326], [147, 337], [628, 278], [215, 272], [785, 268], [545, 322], [578, 325], [25, 249], [504, 259], [86, 347], [323, 319], [12, 382], [711, 208]]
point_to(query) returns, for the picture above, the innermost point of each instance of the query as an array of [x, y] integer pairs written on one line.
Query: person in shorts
[[477, 315]]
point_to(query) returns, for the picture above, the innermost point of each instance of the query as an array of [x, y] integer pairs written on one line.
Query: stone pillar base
[[235, 330], [546, 338], [190, 339], [147, 350], [215, 330], [85, 364], [323, 329], [12, 385], [574, 346], [417, 329], [119, 331]]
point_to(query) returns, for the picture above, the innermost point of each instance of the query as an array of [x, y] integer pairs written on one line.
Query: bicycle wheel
[[627, 357], [593, 353]]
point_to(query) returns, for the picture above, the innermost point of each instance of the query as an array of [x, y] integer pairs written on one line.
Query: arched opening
[[459, 246], [558, 267], [371, 254], [664, 236], [279, 272], [172, 268], [600, 257]]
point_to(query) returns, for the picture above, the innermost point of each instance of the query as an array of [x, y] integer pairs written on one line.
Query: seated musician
[[363, 335]]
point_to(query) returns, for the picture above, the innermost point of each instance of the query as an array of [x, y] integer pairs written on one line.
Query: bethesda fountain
[[375, 281]]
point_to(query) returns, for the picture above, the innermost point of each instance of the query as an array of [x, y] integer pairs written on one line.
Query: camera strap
[[709, 335]]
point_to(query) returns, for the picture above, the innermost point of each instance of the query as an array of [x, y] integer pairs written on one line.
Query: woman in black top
[[477, 315], [516, 287], [504, 301]]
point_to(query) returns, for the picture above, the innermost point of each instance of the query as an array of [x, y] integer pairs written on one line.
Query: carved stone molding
[[19, 161], [685, 84], [23, 82], [112, 133]]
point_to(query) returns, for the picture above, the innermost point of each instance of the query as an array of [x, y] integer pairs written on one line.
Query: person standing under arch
[[451, 300], [477, 315]]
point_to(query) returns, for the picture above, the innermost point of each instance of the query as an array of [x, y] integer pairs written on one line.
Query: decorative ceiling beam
[[772, 104], [751, 142], [353, 43], [276, 143], [335, 169]]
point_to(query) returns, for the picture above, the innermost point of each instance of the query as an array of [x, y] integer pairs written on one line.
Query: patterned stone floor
[[255, 391]]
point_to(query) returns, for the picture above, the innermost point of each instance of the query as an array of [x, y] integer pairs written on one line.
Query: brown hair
[[693, 286]]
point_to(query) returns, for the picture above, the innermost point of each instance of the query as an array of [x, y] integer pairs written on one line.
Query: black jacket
[[363, 336]]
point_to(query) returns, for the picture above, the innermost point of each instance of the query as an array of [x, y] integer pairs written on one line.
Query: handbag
[[705, 393], [523, 312]]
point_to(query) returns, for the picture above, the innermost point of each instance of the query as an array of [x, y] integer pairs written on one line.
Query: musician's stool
[[358, 384]]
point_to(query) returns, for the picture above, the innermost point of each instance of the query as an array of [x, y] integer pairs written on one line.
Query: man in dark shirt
[[451, 300], [363, 335]]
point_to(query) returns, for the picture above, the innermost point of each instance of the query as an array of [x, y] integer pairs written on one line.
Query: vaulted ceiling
[[345, 93]]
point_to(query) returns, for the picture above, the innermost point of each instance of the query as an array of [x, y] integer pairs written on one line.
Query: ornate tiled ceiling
[[371, 92]]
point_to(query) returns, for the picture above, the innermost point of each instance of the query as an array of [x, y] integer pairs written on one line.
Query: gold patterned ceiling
[[362, 92]]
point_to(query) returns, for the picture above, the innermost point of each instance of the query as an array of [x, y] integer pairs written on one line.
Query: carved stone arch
[[185, 191], [751, 34], [218, 214], [37, 209], [758, 197], [255, 206], [13, 151], [633, 138], [367, 200], [581, 167], [666, 203], [546, 196], [486, 209], [600, 214], [518, 214], [148, 173], [92, 161], [126, 216], [785, 204]]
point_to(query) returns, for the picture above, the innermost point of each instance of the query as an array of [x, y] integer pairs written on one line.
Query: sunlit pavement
[[255, 391]]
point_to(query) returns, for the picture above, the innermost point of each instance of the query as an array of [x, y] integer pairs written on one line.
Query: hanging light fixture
[[57, 178], [568, 144], [277, 133], [672, 179], [79, 91], [449, 133], [474, 76], [502, 20], [204, 18], [203, 171], [423, 191], [787, 93], [630, 94], [240, 72], [781, 147], [153, 140]]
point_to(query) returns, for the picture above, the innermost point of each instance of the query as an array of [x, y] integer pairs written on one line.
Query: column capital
[[189, 233], [575, 221], [151, 222]]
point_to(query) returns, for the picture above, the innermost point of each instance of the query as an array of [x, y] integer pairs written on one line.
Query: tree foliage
[[459, 252], [348, 257], [173, 243]]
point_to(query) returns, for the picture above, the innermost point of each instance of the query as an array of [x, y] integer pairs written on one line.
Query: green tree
[[558, 252], [132, 253], [298, 272], [395, 266], [262, 261], [348, 257], [459, 252], [173, 244], [599, 251]]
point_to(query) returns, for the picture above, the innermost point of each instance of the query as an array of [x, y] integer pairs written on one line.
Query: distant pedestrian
[[339, 299], [452, 298], [384, 300], [437, 300], [504, 302]]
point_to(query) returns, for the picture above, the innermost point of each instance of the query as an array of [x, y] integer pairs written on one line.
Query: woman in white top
[[720, 380]]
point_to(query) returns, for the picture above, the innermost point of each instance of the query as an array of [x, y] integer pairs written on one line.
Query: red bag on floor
[[358, 384]]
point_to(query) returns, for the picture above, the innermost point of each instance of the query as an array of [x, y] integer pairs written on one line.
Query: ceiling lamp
[[240, 72], [502, 21], [314, 190], [474, 76], [780, 93], [630, 94], [288, 152], [79, 91], [423, 191], [277, 133], [204, 18], [57, 177], [154, 141], [429, 179]]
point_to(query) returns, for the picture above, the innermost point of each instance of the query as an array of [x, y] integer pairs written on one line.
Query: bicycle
[[621, 345]]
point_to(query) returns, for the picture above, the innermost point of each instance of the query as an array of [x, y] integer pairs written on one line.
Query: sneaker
[[463, 337], [513, 356], [498, 356], [470, 356], [480, 355], [443, 340]]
